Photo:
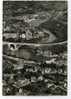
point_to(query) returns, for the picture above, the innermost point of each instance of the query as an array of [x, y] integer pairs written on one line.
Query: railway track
[[34, 44]]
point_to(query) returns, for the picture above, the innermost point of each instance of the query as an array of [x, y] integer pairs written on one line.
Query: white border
[[69, 48], [69, 54], [0, 47]]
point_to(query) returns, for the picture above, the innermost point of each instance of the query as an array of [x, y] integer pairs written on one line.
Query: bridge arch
[[13, 46]]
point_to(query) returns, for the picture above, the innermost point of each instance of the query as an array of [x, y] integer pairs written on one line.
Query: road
[[17, 59]]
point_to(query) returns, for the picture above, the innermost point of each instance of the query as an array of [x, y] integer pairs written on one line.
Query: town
[[34, 48]]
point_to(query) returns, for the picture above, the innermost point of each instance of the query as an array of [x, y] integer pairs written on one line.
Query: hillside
[[31, 18]]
